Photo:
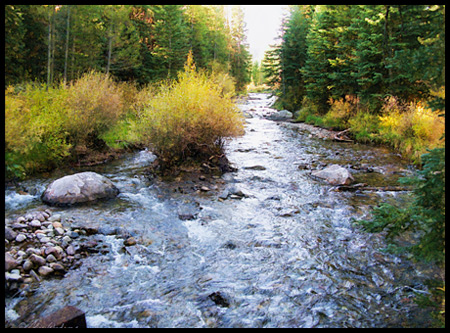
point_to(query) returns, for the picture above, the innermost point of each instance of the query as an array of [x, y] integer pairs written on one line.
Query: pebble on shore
[[37, 245]]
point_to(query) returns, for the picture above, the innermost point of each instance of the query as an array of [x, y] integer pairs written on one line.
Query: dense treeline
[[377, 70], [143, 43], [370, 51]]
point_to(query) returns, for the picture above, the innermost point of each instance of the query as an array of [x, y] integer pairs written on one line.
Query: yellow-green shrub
[[35, 138], [410, 128], [364, 126], [189, 118], [94, 104], [340, 111]]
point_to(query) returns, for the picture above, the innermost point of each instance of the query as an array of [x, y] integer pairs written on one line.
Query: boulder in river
[[335, 175], [79, 188], [281, 115]]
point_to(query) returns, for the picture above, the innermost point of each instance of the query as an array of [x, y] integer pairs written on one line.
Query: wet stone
[[38, 260], [35, 224], [20, 238], [27, 265], [219, 299], [130, 241], [10, 262], [45, 270]]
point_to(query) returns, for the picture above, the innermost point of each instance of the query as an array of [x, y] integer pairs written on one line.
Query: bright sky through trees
[[263, 26]]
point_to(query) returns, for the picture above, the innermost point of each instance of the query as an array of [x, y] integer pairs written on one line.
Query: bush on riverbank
[[411, 128], [47, 125], [186, 119], [189, 119], [35, 136]]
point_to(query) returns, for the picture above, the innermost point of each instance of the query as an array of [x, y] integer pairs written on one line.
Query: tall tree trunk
[[109, 54], [170, 56], [67, 46], [387, 35], [49, 53], [52, 66], [72, 60]]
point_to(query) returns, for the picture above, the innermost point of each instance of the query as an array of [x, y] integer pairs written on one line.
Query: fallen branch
[[339, 136], [365, 187]]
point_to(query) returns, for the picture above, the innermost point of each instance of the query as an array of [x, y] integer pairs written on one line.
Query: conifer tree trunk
[[49, 53], [67, 46]]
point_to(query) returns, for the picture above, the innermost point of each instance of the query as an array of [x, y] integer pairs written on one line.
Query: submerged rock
[[79, 188], [335, 175]]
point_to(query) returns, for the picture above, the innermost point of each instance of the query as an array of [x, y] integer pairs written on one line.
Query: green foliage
[[370, 51], [293, 53], [45, 125], [189, 119], [141, 43], [240, 62], [424, 215], [270, 66], [257, 75]]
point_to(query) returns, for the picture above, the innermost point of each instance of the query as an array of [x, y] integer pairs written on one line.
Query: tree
[[257, 76], [271, 68], [170, 39], [123, 57], [423, 215], [14, 43], [321, 47], [293, 54], [143, 43], [240, 56]]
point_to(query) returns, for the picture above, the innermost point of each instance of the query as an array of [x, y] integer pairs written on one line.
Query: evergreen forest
[[378, 70], [139, 43]]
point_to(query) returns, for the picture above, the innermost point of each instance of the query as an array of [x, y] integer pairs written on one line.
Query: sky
[[263, 26]]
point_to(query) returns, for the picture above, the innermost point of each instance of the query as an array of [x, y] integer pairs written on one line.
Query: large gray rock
[[281, 115], [335, 175], [79, 188]]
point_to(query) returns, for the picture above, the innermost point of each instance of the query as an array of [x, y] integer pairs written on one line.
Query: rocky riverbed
[[39, 245]]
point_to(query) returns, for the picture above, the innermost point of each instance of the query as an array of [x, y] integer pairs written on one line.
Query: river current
[[287, 254]]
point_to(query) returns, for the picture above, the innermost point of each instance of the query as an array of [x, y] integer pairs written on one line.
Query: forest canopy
[[141, 43]]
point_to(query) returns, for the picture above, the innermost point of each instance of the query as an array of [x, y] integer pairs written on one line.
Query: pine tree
[[171, 39], [293, 56], [271, 68], [240, 56], [321, 47]]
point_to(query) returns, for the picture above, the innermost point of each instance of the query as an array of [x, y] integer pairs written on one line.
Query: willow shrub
[[44, 124], [35, 136], [411, 128], [94, 104], [189, 119]]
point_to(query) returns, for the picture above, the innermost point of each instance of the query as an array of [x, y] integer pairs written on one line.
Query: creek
[[287, 254]]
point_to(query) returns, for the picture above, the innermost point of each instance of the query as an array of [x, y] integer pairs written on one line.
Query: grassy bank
[[410, 128], [47, 126]]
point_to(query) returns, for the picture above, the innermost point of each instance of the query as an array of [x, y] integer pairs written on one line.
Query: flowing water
[[285, 255]]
